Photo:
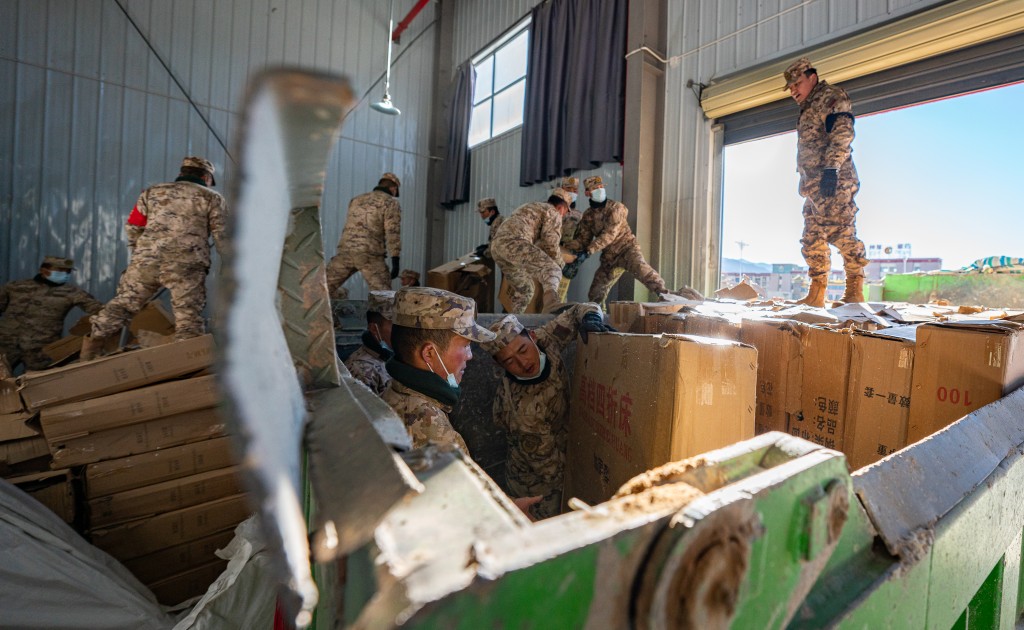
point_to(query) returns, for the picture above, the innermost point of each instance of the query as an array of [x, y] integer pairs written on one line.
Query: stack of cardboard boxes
[[141, 432]]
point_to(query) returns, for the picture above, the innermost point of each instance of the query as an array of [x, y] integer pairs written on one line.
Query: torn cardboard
[[135, 471], [164, 497], [16, 426], [10, 399]]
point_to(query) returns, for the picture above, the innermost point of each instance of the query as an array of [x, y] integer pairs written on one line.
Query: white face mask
[[451, 377], [59, 277], [573, 195], [543, 363], [598, 195]]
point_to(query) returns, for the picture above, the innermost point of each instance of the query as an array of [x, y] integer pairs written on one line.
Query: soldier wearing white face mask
[[367, 363]]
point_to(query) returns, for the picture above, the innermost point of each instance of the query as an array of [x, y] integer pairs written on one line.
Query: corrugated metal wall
[[93, 116], [717, 38]]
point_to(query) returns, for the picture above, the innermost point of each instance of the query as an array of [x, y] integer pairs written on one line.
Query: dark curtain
[[455, 184], [574, 114]]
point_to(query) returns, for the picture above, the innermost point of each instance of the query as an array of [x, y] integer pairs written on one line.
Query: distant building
[[878, 268]]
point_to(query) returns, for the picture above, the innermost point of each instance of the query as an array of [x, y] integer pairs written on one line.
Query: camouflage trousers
[[16, 348], [832, 221], [536, 465], [142, 279], [347, 262], [521, 263], [613, 264], [563, 289]]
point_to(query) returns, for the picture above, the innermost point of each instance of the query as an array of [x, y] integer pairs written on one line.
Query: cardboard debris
[[178, 559], [135, 471], [53, 489], [640, 401], [19, 451], [859, 313], [742, 291], [164, 496], [806, 315], [779, 371], [116, 373], [10, 399], [16, 426], [154, 319]]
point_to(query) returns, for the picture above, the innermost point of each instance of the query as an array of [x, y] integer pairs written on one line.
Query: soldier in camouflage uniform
[[168, 232], [569, 222], [604, 229], [367, 363], [431, 333], [532, 401], [828, 182], [409, 278], [487, 208], [373, 228], [526, 249], [34, 311]]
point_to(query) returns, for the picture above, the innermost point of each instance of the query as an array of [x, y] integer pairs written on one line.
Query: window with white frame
[[498, 97]]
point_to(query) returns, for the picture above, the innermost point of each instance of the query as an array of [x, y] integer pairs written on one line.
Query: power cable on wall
[[174, 78]]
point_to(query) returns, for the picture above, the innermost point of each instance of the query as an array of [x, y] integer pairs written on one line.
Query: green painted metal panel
[[994, 290]]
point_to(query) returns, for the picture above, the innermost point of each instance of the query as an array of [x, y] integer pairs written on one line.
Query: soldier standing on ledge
[[828, 182]]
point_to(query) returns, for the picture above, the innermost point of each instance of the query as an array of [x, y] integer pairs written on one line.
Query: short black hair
[[555, 200], [373, 317], [407, 341], [191, 171], [808, 72]]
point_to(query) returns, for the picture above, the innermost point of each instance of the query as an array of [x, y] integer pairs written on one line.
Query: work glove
[[571, 269], [829, 178], [593, 322], [394, 267], [480, 249]]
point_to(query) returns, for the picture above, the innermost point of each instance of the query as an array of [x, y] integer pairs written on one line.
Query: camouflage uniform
[[409, 274], [367, 363], [425, 417], [604, 229], [168, 234], [824, 134], [373, 228], [492, 231], [33, 316], [535, 415], [569, 223], [526, 249]]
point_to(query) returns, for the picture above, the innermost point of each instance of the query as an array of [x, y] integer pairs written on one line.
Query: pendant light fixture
[[384, 105]]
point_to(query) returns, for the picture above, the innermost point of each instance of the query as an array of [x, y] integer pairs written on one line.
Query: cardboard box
[[135, 471], [961, 366], [779, 371], [825, 354], [640, 401], [15, 426], [147, 535], [878, 411], [138, 438], [471, 276], [174, 590], [116, 373], [138, 405], [536, 304], [164, 497], [10, 399], [18, 451], [625, 316], [180, 558], [714, 326], [152, 318], [53, 489]]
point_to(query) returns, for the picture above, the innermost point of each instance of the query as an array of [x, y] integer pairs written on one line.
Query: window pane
[[508, 108], [510, 61], [480, 123], [484, 77]]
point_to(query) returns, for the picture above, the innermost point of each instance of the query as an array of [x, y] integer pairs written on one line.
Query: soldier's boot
[[815, 295], [551, 302], [854, 289], [92, 347]]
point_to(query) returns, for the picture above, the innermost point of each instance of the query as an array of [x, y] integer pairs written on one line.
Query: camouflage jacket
[[535, 415], [492, 230], [535, 222], [35, 309], [173, 223], [368, 367], [374, 225], [426, 419], [603, 228], [824, 135], [569, 223]]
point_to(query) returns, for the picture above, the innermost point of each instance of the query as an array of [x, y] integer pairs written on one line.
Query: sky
[[946, 177]]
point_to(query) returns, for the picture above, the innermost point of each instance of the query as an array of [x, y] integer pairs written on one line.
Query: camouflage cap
[[391, 177], [505, 330], [437, 309], [486, 202], [562, 194], [409, 273], [570, 183], [591, 183], [382, 302], [796, 70], [59, 262], [202, 164]]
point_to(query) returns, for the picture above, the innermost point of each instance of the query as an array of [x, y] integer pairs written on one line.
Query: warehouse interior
[[105, 97]]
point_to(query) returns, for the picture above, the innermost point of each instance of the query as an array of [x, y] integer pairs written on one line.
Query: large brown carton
[[144, 536], [10, 399], [135, 471], [53, 489], [878, 409], [536, 304], [714, 326], [639, 401], [825, 355], [23, 450], [138, 438], [180, 558], [138, 405], [627, 316], [779, 371], [15, 426], [469, 276], [960, 367], [116, 373], [164, 497], [176, 589]]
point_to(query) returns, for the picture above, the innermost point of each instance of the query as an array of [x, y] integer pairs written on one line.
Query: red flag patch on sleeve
[[137, 218]]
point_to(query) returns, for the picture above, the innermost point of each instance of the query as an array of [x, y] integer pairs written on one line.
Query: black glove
[[581, 256], [593, 322], [394, 267], [480, 249], [829, 178], [571, 269]]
